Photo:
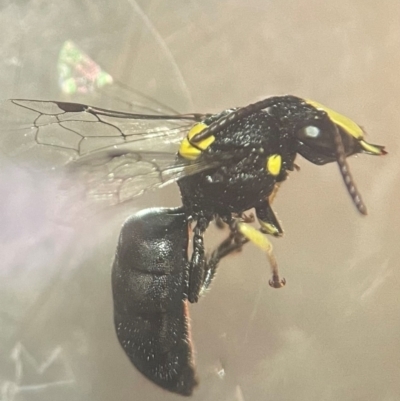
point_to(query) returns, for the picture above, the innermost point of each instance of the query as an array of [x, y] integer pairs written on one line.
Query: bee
[[224, 164]]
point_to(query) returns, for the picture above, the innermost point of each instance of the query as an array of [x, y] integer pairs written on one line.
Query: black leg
[[268, 221], [197, 262], [233, 243], [203, 271], [219, 222]]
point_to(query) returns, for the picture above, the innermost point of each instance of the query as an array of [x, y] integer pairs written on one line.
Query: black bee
[[224, 164]]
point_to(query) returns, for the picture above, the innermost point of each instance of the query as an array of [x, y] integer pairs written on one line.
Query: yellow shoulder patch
[[190, 152]]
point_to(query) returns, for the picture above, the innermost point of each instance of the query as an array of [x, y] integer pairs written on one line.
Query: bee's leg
[[237, 239], [268, 221], [219, 222], [198, 260], [233, 243], [258, 238]]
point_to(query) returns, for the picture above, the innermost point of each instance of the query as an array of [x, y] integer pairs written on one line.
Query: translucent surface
[[332, 332]]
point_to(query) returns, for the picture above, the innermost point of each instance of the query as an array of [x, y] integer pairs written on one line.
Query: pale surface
[[333, 332]]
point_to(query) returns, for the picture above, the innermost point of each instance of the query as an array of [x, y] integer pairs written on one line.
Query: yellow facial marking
[[350, 127], [187, 150], [274, 164], [342, 121]]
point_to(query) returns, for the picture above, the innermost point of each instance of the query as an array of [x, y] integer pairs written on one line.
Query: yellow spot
[[269, 228], [187, 150], [274, 164], [342, 121]]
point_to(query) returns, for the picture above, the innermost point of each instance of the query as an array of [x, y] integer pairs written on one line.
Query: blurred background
[[333, 332]]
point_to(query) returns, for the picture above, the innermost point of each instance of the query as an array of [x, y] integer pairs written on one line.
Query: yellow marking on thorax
[[187, 150], [274, 164]]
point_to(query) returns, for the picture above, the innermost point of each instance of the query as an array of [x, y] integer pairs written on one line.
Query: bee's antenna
[[345, 172]]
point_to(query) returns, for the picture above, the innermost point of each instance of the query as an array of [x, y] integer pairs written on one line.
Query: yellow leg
[[260, 240]]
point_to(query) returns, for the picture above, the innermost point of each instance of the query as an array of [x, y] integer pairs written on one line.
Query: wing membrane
[[77, 130], [107, 157]]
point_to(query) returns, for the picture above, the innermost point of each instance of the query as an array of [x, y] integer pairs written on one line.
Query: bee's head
[[316, 137], [327, 136]]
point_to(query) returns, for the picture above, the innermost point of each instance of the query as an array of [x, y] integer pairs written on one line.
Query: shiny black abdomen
[[149, 281]]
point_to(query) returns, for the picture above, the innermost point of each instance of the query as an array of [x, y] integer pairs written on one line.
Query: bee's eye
[[309, 132], [316, 137]]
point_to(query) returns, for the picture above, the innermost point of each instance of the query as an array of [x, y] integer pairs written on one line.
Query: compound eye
[[315, 136], [310, 132]]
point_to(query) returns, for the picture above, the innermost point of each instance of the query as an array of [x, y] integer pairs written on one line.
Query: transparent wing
[[107, 156]]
